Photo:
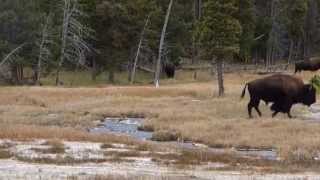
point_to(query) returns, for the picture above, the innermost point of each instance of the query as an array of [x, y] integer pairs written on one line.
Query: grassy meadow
[[188, 107]]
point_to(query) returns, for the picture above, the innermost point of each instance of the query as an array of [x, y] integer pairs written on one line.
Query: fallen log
[[145, 69]]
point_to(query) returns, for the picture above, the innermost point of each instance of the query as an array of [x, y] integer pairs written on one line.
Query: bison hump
[[279, 83]]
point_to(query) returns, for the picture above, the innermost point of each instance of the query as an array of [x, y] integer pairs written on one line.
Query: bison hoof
[[274, 114]]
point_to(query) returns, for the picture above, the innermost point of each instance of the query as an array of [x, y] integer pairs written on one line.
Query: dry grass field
[[191, 109]]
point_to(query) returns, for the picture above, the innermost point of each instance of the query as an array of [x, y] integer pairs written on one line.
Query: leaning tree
[[161, 46], [74, 35]]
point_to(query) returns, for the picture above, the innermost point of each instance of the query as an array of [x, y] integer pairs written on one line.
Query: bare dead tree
[[197, 17], [310, 29], [65, 28], [164, 29], [220, 76], [44, 50], [274, 45], [11, 56], [73, 36], [133, 72]]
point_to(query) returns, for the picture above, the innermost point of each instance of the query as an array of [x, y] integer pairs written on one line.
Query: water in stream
[[129, 127]]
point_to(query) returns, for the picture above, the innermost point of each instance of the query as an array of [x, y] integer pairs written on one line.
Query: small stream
[[130, 127]]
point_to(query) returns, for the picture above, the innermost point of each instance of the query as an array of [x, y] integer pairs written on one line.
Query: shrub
[[315, 81]]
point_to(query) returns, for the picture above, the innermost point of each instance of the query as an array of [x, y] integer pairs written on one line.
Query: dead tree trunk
[[17, 74], [220, 76], [133, 72], [197, 16], [74, 36], [111, 75], [9, 56], [306, 51], [306, 46], [198, 9], [298, 54], [43, 50], [14, 66], [94, 70], [310, 28], [163, 34], [273, 41], [291, 51], [65, 27]]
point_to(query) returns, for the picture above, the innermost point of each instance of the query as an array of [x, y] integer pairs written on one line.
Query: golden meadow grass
[[191, 109]]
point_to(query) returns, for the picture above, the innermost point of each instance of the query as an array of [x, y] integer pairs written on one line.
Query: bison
[[281, 90], [307, 66], [170, 69]]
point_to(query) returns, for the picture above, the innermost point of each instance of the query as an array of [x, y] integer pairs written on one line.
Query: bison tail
[[244, 91]]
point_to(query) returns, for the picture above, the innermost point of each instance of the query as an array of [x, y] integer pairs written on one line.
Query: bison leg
[[254, 103], [274, 114], [287, 105], [299, 70], [258, 111], [276, 107], [281, 106], [289, 113], [250, 109]]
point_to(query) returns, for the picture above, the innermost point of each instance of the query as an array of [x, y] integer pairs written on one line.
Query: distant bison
[[280, 89], [307, 66], [170, 70]]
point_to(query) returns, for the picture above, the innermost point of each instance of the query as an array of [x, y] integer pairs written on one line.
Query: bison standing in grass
[[170, 70], [307, 66], [280, 89]]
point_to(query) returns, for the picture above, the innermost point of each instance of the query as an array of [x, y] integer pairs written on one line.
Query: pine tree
[[296, 14], [247, 19], [219, 32], [19, 25]]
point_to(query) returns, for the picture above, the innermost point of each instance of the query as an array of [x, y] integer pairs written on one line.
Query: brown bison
[[280, 89], [307, 66], [170, 69]]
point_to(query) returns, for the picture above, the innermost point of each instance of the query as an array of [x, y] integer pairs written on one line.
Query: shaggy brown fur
[[280, 89], [307, 66]]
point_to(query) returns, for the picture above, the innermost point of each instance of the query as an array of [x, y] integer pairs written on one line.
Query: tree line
[[110, 35]]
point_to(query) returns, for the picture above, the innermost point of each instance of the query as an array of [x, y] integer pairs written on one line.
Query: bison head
[[308, 95]]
